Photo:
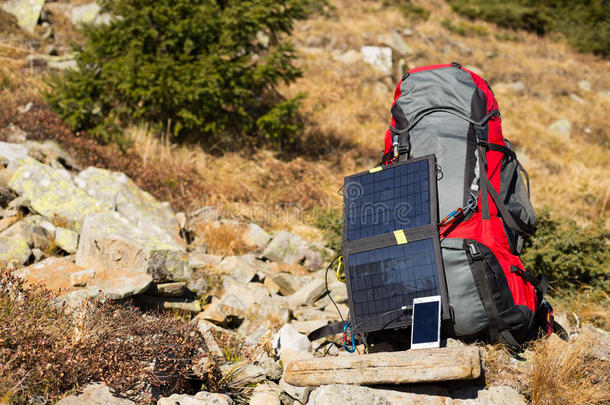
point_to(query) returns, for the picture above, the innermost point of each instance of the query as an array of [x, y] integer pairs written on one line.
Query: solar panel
[[383, 280], [387, 200], [390, 243]]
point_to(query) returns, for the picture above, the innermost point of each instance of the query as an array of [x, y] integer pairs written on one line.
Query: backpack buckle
[[481, 135], [475, 252]]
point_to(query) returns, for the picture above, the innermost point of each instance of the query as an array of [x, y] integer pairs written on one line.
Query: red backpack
[[483, 196]]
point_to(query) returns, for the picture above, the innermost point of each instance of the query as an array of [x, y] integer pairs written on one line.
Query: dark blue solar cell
[[391, 199], [385, 279]]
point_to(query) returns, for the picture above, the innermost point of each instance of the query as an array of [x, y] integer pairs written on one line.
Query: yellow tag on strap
[[375, 169], [400, 236]]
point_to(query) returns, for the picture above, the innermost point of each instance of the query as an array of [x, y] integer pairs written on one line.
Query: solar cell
[[388, 278], [394, 198]]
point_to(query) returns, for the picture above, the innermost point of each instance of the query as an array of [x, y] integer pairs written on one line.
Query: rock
[[198, 286], [13, 153], [253, 331], [251, 302], [308, 294], [95, 394], [407, 32], [214, 313], [243, 374], [57, 275], [341, 394], [34, 230], [118, 191], [264, 396], [394, 40], [206, 331], [561, 128], [169, 303], [578, 99], [313, 259], [241, 268], [512, 87], [284, 283], [272, 370], [411, 366], [289, 356], [198, 260], [176, 289], [288, 338], [66, 239], [109, 241], [306, 327], [27, 12], [37, 254], [600, 339], [85, 14], [584, 86], [201, 398], [82, 277], [5, 223], [16, 134], [378, 57], [349, 58], [52, 154], [285, 247], [564, 320], [300, 394], [181, 219], [13, 251], [255, 236], [52, 193]]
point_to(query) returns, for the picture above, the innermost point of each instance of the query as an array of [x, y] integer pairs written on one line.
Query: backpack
[[483, 196]]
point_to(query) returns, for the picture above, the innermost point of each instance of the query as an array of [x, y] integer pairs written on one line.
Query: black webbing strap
[[514, 223], [328, 330], [479, 275], [540, 283], [509, 339]]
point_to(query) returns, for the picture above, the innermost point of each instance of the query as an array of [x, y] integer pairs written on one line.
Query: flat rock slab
[[411, 366], [59, 275], [355, 395]]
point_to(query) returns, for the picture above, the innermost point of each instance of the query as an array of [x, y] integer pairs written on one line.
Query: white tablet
[[426, 322]]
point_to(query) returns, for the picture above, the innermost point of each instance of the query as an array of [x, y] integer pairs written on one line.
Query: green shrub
[[408, 9], [465, 29], [568, 254], [585, 24], [197, 69], [330, 221]]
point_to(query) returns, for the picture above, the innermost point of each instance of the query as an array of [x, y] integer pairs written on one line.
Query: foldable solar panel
[[390, 243]]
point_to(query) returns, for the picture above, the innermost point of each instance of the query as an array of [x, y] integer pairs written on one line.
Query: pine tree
[[193, 68]]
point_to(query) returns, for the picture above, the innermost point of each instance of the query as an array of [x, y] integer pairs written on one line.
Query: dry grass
[[591, 305], [566, 373], [222, 239], [46, 351]]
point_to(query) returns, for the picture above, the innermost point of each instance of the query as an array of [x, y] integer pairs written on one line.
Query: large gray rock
[[95, 394], [378, 57], [308, 293], [109, 241], [241, 268], [52, 193], [561, 128], [356, 395], [287, 338], [284, 283], [201, 398], [27, 12], [66, 239], [394, 40], [89, 14], [285, 247], [601, 341], [118, 191], [255, 236], [13, 152]]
